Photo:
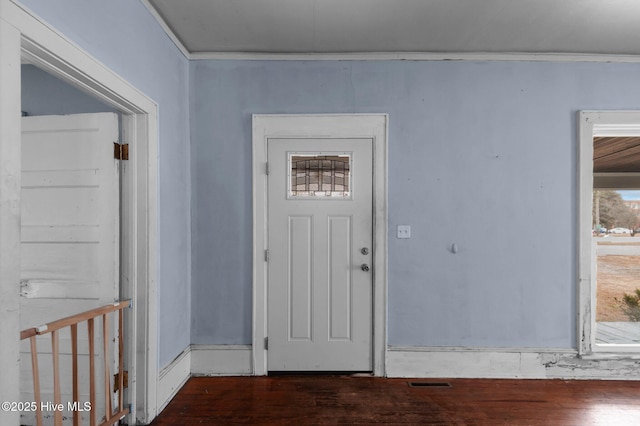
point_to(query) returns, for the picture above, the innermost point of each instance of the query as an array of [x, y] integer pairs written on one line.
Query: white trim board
[[417, 56], [374, 126], [412, 361], [508, 364], [221, 360], [591, 124], [173, 377], [52, 51], [9, 216]]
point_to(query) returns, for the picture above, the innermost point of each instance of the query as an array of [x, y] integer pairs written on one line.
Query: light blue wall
[[127, 39], [44, 94], [481, 154]]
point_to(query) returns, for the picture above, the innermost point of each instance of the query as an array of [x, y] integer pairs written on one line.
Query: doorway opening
[[609, 247], [616, 222], [70, 223]]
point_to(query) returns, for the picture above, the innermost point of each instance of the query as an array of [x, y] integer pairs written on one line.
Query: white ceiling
[[365, 26]]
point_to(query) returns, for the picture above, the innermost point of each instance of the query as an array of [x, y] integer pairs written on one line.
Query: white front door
[[319, 301], [70, 231]]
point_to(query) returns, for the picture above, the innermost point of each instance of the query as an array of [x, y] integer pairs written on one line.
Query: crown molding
[[418, 56], [174, 38]]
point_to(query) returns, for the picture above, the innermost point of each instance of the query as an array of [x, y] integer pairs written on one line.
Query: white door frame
[[265, 127], [590, 125], [23, 35]]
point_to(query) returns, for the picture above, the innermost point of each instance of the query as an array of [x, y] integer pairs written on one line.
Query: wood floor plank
[[320, 400]]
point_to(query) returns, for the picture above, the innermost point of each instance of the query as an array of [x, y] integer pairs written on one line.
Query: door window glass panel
[[319, 176]]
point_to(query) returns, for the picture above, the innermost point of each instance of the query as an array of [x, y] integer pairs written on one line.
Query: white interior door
[[70, 233], [319, 297]]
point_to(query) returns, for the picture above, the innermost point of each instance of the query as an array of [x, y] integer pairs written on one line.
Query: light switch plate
[[403, 231]]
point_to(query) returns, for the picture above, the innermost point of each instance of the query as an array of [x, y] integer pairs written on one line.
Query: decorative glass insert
[[319, 176]]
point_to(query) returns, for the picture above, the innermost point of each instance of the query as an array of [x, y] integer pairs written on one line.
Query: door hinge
[[266, 343], [116, 381], [266, 168], [120, 151], [266, 255]]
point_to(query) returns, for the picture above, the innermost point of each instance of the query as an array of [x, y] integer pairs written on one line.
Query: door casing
[[591, 124], [265, 127]]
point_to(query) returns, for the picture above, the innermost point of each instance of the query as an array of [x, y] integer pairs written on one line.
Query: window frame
[[592, 124]]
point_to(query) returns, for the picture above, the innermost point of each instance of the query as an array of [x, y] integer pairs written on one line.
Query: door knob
[[365, 267]]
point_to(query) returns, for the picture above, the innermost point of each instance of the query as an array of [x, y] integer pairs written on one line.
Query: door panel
[[319, 299], [300, 255], [69, 237], [339, 273], [70, 211]]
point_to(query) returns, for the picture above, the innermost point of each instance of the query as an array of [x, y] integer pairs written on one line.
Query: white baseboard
[[221, 360], [508, 363], [173, 377]]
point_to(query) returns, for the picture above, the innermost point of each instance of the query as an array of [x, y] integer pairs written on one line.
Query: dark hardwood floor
[[321, 400]]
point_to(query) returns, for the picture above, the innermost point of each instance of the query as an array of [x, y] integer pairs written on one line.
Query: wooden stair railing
[[72, 322]]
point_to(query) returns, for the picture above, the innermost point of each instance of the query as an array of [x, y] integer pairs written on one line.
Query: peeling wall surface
[[124, 36], [481, 155]]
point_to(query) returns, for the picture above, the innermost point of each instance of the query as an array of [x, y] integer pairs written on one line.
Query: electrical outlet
[[403, 231]]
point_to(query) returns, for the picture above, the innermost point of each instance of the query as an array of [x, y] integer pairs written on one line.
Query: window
[[319, 176]]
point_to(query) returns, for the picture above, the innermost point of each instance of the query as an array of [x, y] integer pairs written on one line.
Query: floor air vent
[[429, 384]]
